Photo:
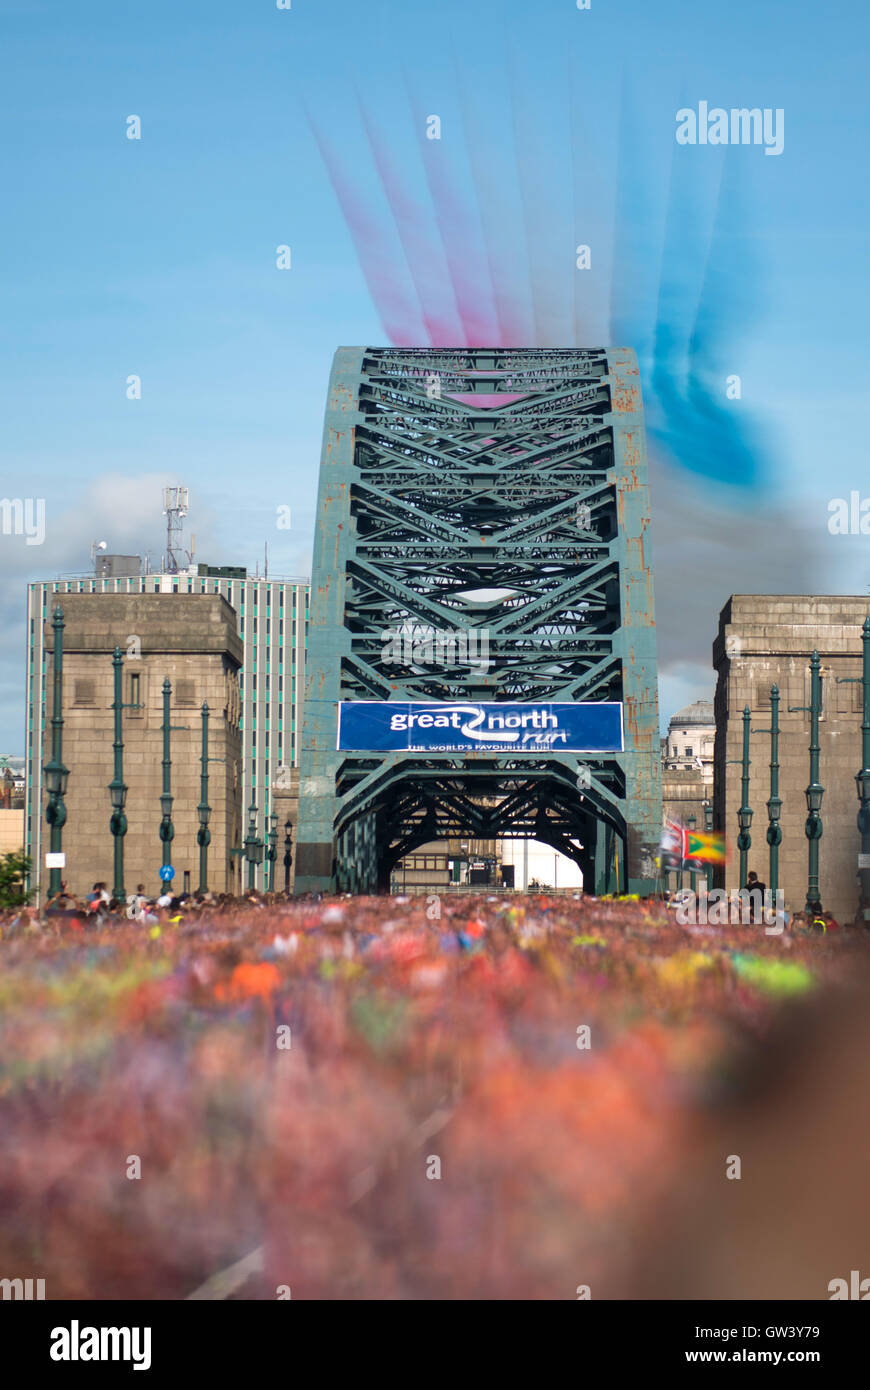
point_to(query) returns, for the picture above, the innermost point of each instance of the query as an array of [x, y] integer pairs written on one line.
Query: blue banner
[[371, 726]]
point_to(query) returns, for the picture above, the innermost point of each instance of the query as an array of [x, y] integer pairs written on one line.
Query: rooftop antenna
[[175, 509]]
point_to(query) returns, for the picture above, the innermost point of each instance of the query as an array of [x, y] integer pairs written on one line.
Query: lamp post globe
[[56, 776]]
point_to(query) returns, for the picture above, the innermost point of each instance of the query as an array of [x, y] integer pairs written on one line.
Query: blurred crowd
[[99, 908], [464, 1097]]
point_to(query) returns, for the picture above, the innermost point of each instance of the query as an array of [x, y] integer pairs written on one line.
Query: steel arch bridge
[[496, 491]]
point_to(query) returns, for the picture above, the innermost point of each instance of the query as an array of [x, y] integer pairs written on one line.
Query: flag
[[708, 848], [680, 848], [672, 846]]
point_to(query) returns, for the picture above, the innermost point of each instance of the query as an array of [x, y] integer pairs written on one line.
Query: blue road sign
[[166, 872]]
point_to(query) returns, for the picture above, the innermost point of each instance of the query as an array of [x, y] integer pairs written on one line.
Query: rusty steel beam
[[488, 490]]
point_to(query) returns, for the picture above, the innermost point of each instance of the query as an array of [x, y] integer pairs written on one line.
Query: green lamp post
[[203, 834], [693, 873], [862, 778], [708, 826], [815, 791], [253, 845], [862, 782], [288, 854], [117, 787], [774, 804], [56, 774], [167, 829], [272, 850], [744, 815]]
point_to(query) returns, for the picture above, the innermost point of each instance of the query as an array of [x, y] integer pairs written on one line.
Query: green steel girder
[[454, 510], [607, 784]]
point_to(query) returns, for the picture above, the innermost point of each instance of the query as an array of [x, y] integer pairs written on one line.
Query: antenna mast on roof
[[175, 509]]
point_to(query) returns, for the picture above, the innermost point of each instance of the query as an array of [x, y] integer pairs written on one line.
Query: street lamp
[[862, 781], [118, 827], [693, 875], [774, 831], [54, 771], [708, 826], [253, 845], [117, 787], [862, 778], [774, 804], [167, 829], [203, 834], [815, 791], [288, 854], [744, 815], [56, 778], [272, 851], [463, 856]]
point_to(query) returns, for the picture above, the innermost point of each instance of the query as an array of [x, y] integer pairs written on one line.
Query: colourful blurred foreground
[[522, 1098]]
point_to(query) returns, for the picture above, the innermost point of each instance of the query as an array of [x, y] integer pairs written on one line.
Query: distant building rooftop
[[117, 566], [700, 712]]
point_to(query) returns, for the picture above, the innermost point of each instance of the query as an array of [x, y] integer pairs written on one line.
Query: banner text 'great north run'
[[371, 726]]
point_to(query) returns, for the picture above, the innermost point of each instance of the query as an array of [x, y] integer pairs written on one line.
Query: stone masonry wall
[[764, 639], [191, 640]]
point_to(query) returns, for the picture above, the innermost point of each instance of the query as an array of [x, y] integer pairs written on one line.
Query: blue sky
[[157, 257]]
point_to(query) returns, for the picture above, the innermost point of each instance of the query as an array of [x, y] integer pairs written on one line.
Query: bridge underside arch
[[420, 800]]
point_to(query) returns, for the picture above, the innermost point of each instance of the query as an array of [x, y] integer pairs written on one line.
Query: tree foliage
[[14, 868]]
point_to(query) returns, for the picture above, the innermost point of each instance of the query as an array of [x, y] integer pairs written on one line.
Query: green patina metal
[[481, 490]]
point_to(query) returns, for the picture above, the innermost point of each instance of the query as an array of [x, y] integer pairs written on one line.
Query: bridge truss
[[499, 494]]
